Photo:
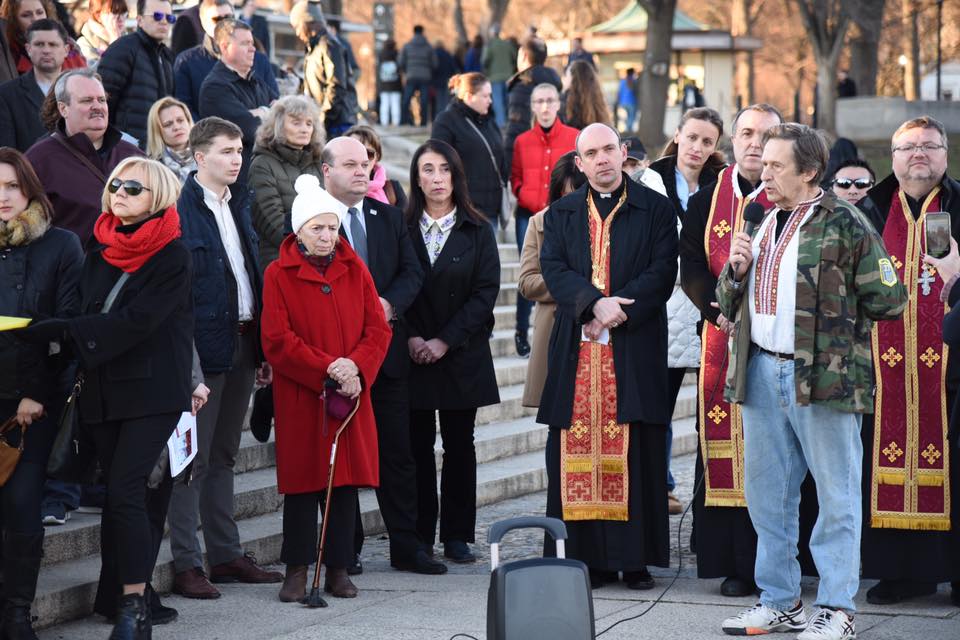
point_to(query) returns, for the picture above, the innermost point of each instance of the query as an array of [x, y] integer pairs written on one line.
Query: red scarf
[[130, 251]]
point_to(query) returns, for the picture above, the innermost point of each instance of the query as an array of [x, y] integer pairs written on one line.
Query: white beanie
[[312, 200]]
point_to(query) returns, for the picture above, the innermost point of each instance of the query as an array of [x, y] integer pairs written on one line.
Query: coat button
[[91, 344], [19, 286], [325, 288]]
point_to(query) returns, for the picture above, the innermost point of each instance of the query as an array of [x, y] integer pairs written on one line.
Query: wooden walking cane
[[314, 600]]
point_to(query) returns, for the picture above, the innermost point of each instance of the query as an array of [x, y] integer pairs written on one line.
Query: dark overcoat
[[456, 305], [643, 266], [20, 101]]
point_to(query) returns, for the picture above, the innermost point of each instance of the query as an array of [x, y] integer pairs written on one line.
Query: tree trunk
[[498, 10], [826, 22], [458, 22], [741, 23], [655, 79], [865, 46], [911, 49]]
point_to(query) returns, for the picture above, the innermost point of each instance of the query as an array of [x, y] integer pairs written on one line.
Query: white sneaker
[[827, 624], [761, 619]]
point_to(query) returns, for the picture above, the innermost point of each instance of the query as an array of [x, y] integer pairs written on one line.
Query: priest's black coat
[[643, 266]]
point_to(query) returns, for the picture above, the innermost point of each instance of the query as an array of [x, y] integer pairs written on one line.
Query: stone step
[[507, 294], [508, 252], [509, 270], [505, 319]]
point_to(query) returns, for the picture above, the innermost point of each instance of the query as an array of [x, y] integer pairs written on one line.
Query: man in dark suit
[[377, 233], [20, 99]]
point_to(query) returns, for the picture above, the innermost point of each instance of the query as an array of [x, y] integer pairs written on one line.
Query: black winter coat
[[138, 356], [38, 279], [397, 274], [187, 31], [643, 266], [137, 71], [486, 185], [214, 288], [456, 305], [667, 168], [520, 116], [20, 101]]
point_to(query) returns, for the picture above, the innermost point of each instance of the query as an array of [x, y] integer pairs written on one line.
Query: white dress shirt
[[346, 218], [231, 243]]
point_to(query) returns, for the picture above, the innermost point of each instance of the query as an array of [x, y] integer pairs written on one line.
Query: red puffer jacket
[[534, 155]]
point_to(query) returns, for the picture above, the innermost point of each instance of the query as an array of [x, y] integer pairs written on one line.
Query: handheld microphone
[[752, 216]]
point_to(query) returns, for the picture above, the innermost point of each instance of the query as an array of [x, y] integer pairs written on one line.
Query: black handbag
[[72, 458]]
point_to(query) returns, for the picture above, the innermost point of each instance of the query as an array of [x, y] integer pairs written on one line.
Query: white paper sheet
[[183, 444], [603, 339]]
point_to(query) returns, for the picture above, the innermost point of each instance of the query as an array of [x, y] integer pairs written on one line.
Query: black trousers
[[397, 493], [127, 451], [458, 481], [22, 495], [300, 512]]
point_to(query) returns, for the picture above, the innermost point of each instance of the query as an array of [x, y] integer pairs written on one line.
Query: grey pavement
[[401, 606]]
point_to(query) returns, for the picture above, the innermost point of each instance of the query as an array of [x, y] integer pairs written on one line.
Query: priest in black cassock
[[609, 259]]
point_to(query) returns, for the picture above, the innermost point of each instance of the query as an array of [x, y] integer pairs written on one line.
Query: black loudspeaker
[[538, 597]]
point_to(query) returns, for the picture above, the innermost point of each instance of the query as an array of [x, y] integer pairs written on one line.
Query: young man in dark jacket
[[417, 61], [533, 55], [137, 69], [234, 91], [226, 296]]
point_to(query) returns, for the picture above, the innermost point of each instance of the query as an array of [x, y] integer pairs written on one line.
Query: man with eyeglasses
[[137, 69], [535, 153], [911, 490], [852, 179]]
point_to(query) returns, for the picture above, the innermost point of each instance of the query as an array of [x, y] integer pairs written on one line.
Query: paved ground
[[402, 606]]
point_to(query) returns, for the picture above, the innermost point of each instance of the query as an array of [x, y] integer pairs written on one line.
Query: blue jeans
[[631, 110], [423, 86], [524, 306], [66, 494], [781, 442], [500, 103]]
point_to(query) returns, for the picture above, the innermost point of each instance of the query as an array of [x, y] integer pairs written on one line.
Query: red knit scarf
[[129, 251]]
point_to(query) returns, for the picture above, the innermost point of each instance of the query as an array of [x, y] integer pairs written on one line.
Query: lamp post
[[939, 53]]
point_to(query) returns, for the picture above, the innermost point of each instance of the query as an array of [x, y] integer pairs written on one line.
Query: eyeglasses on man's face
[[926, 147], [859, 183], [160, 16]]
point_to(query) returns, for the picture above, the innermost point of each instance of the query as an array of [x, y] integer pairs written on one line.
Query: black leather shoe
[[522, 345], [458, 552], [894, 591], [639, 580], [133, 621], [734, 587], [955, 593], [599, 578], [421, 563], [356, 568]]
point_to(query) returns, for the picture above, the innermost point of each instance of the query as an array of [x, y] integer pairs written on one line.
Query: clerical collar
[[605, 202]]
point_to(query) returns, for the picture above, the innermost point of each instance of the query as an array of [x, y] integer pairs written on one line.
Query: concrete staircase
[[510, 457]]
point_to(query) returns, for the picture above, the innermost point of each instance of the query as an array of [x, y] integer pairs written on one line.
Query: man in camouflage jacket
[[804, 292]]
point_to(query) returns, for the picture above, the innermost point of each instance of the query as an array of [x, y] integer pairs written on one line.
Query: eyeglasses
[[545, 101], [927, 147], [132, 187], [160, 16], [846, 183]]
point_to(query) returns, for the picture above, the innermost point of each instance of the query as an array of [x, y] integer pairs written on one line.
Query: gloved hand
[[44, 331]]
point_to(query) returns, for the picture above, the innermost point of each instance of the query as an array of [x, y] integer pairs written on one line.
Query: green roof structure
[[633, 18]]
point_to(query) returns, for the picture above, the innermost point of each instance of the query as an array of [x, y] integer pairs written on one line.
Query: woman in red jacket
[[322, 320]]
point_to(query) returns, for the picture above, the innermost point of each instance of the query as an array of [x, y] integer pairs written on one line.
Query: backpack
[[389, 71]]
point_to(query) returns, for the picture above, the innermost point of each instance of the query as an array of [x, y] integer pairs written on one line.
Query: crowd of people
[[197, 228]]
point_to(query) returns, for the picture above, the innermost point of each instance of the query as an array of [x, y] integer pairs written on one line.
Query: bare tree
[[865, 45], [458, 22], [826, 22], [911, 49], [498, 9], [743, 16], [655, 79]]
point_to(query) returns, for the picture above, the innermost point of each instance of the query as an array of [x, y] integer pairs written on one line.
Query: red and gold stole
[[593, 451], [911, 480], [721, 426]]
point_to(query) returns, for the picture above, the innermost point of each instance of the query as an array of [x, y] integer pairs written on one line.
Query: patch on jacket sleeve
[[888, 275]]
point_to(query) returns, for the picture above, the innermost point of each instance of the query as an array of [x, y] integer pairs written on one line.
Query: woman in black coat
[[39, 269], [450, 324], [468, 126], [135, 346]]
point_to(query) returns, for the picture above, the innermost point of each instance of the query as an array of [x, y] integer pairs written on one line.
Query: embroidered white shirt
[[772, 281], [436, 232], [231, 243]]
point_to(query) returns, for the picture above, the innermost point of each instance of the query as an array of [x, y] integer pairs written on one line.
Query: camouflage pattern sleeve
[[879, 290], [728, 293]]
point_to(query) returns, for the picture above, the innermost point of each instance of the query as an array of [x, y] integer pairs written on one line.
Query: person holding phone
[[911, 481]]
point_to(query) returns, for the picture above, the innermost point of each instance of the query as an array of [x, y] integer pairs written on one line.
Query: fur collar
[[30, 225]]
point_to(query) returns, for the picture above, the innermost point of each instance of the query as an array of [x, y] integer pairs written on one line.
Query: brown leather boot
[[338, 584], [294, 583]]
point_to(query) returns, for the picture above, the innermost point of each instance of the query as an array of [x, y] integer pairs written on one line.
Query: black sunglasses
[[846, 183], [160, 16], [132, 187]]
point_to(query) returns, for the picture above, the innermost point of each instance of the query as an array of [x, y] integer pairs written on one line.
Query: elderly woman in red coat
[[322, 320]]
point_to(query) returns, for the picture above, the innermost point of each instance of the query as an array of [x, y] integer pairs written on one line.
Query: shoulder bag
[[506, 197]]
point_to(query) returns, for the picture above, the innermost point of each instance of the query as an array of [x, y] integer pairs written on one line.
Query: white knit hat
[[312, 200]]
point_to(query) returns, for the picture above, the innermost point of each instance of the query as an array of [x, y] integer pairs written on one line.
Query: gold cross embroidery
[[612, 429], [930, 357], [896, 262], [722, 228], [891, 357], [930, 454], [892, 451], [579, 430], [717, 414]]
